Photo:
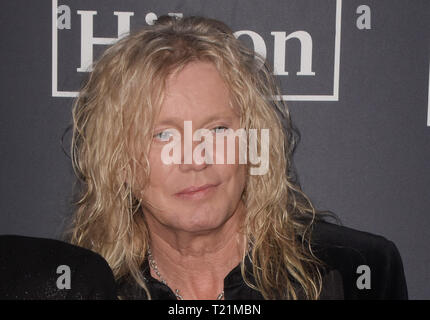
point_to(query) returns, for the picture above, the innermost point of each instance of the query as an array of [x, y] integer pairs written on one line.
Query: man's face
[[198, 94]]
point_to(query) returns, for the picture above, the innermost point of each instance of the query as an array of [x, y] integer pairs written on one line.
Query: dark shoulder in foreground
[[369, 264], [37, 268]]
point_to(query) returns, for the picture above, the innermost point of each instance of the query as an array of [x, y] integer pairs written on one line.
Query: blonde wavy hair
[[113, 118]]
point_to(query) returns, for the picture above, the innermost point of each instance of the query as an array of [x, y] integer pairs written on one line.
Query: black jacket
[[345, 249], [28, 270], [342, 249], [29, 266]]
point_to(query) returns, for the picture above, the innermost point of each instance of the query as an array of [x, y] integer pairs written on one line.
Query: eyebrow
[[174, 121]]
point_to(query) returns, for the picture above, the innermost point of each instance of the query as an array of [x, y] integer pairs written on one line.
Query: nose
[[194, 157]]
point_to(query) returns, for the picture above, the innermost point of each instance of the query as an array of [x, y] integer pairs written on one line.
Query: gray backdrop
[[357, 87]]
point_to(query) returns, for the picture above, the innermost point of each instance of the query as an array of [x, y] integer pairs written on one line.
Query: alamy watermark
[[63, 281], [248, 143]]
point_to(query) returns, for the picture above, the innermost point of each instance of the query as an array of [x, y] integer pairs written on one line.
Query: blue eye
[[220, 129], [164, 135]]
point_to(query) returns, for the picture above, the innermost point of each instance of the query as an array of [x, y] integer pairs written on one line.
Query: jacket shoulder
[[30, 268], [370, 265]]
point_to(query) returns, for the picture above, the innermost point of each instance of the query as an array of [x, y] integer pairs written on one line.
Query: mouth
[[196, 192]]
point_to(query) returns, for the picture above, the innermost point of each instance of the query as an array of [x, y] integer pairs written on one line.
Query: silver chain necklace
[[154, 266]]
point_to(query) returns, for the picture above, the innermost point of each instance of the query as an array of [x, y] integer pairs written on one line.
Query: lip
[[196, 192]]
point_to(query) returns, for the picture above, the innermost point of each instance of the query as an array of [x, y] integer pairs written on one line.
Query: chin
[[203, 223]]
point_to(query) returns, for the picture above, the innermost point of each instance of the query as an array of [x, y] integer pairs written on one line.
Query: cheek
[[159, 173], [226, 152], [235, 178]]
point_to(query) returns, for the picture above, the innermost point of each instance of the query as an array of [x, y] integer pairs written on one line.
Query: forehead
[[195, 92]]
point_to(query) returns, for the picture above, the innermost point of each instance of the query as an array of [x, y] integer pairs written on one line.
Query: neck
[[197, 263]]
